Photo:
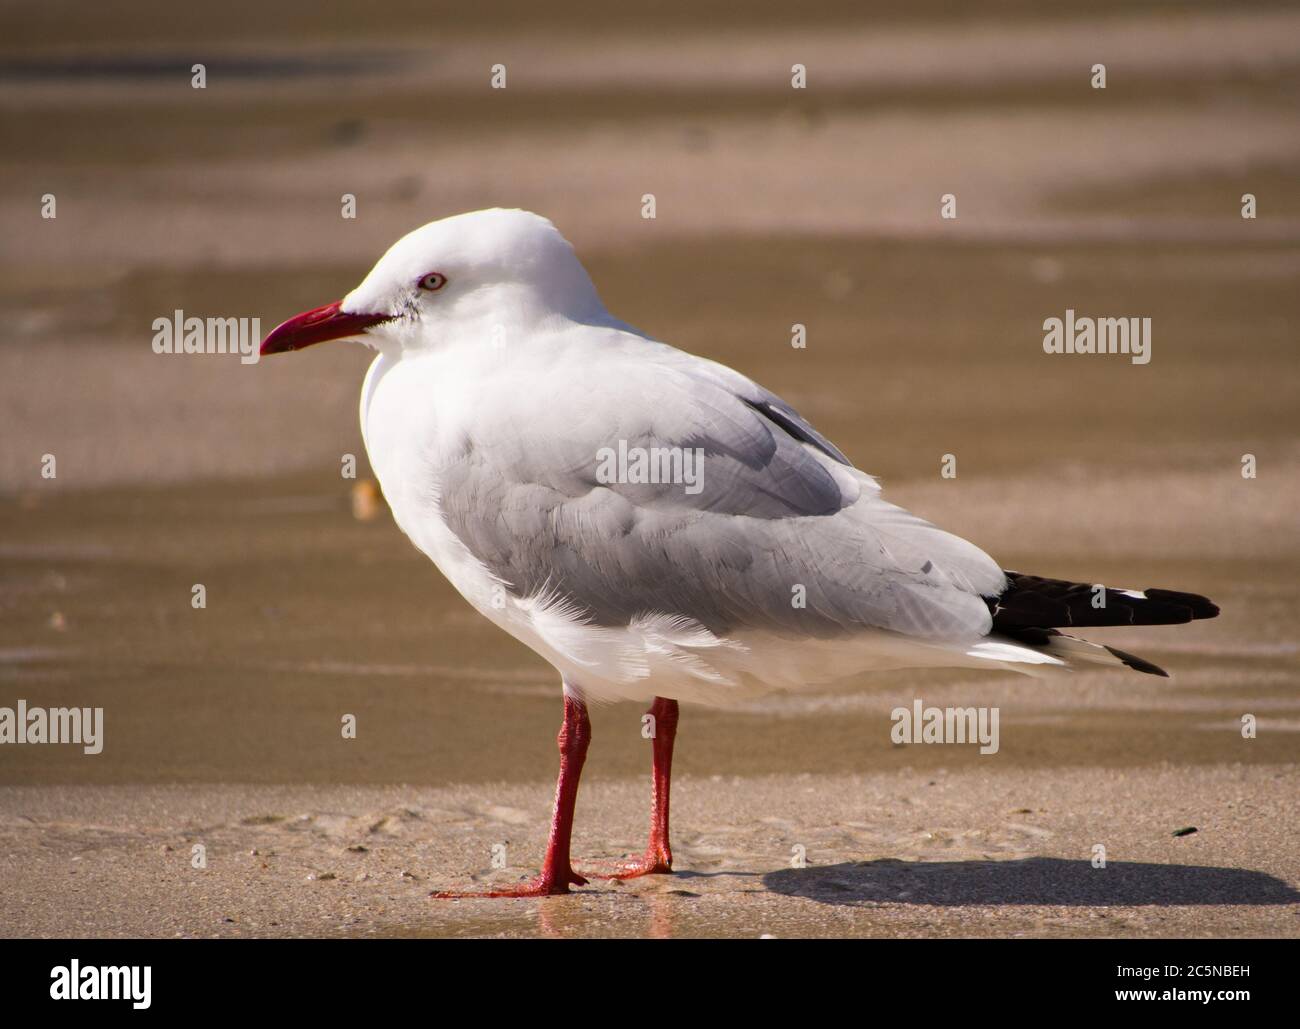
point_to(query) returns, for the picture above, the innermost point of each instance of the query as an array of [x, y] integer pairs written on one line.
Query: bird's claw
[[650, 863]]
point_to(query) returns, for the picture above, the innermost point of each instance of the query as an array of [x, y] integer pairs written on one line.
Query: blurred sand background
[[774, 206]]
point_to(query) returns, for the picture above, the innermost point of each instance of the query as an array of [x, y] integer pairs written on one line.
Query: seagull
[[655, 525]]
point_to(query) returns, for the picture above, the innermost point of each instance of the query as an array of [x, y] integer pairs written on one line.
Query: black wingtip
[[1137, 663], [1200, 607], [1034, 600]]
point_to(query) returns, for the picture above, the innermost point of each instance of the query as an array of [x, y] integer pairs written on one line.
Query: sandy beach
[[775, 207], [906, 853]]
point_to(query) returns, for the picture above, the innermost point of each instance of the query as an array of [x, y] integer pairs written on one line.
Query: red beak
[[317, 326]]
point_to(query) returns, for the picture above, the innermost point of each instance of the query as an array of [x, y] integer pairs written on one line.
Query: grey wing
[[778, 534]]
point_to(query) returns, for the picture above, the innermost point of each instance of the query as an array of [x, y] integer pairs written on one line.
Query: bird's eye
[[433, 281]]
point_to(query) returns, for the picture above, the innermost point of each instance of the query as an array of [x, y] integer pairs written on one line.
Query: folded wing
[[779, 532]]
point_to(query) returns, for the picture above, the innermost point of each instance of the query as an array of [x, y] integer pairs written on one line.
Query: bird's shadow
[[1050, 881]]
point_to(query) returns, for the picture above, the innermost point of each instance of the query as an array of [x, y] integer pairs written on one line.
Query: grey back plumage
[[781, 535]]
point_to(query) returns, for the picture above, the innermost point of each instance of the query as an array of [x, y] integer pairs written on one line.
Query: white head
[[459, 277]]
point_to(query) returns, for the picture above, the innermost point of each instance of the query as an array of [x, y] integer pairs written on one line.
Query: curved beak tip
[[317, 326]]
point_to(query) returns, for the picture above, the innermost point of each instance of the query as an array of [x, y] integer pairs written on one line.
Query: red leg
[[557, 873], [658, 857]]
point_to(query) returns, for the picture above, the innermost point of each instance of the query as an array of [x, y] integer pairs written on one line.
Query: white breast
[[410, 419]]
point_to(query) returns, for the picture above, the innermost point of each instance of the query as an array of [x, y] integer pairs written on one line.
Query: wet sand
[[223, 724], [312, 615]]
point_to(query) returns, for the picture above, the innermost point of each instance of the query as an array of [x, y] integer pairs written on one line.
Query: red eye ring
[[433, 281]]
